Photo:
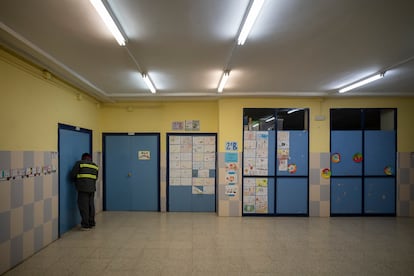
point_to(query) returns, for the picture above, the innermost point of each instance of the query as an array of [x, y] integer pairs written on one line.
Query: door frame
[[363, 130], [106, 134], [75, 129]]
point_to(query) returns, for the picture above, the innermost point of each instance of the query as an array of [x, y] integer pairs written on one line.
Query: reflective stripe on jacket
[[85, 174]]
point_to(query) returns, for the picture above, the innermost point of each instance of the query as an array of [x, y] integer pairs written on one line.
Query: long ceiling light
[[361, 83], [250, 19], [148, 81], [223, 81], [290, 111], [109, 21]]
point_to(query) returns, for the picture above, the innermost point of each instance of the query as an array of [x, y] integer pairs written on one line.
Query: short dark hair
[[86, 156]]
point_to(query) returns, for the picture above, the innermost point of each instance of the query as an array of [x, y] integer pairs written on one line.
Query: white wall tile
[[5, 194], [38, 213], [28, 190], [28, 243], [16, 222], [5, 256]]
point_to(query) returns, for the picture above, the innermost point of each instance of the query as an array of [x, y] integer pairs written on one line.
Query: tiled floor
[[140, 243]]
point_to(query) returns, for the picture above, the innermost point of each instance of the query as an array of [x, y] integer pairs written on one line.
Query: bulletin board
[[275, 172], [191, 172]]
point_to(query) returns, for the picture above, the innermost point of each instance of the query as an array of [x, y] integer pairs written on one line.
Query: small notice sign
[[144, 155]]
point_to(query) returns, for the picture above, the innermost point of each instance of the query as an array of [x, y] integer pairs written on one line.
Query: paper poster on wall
[[261, 204], [283, 164], [255, 195], [261, 195], [231, 157], [192, 125], [231, 190], [249, 205], [283, 147], [255, 150], [178, 125], [144, 155], [206, 190], [231, 146], [231, 177], [192, 162]]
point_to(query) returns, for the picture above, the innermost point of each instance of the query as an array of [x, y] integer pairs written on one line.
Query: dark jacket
[[85, 173]]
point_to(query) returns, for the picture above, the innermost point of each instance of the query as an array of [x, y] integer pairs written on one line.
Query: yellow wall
[[32, 106], [158, 117], [231, 119], [231, 116]]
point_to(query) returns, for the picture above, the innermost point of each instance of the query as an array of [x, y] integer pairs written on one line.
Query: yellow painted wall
[[158, 117], [231, 116], [32, 106]]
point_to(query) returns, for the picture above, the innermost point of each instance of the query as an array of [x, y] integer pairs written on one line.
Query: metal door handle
[[129, 174]]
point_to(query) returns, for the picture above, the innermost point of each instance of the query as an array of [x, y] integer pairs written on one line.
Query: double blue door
[[72, 143], [363, 172], [131, 172]]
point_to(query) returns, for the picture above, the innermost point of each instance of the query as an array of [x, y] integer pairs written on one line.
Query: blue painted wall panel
[[292, 195], [203, 203], [346, 144], [271, 153], [346, 195], [379, 195], [379, 147], [298, 153], [180, 198]]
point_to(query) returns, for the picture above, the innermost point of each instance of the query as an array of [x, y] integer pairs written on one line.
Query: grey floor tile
[[150, 243]]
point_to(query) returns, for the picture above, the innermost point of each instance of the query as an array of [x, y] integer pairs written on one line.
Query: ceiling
[[297, 48]]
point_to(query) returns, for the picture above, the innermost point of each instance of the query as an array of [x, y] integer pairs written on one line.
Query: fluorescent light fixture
[[255, 125], [250, 19], [293, 110], [149, 83], [223, 81], [361, 83], [270, 119], [108, 20]]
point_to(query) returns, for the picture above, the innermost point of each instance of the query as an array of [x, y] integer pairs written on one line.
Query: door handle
[[129, 174]]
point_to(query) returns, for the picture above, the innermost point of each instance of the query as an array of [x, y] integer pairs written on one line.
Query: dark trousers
[[87, 208]]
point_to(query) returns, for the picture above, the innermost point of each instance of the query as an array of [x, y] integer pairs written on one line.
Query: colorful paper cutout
[[292, 168], [336, 158], [357, 157], [388, 170], [326, 173]]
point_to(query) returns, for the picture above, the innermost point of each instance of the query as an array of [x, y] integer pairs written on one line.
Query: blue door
[[346, 146], [346, 195], [379, 195], [292, 195], [379, 190], [72, 143], [131, 172], [292, 182]]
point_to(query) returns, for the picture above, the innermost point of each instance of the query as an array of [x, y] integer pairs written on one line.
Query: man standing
[[85, 173]]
